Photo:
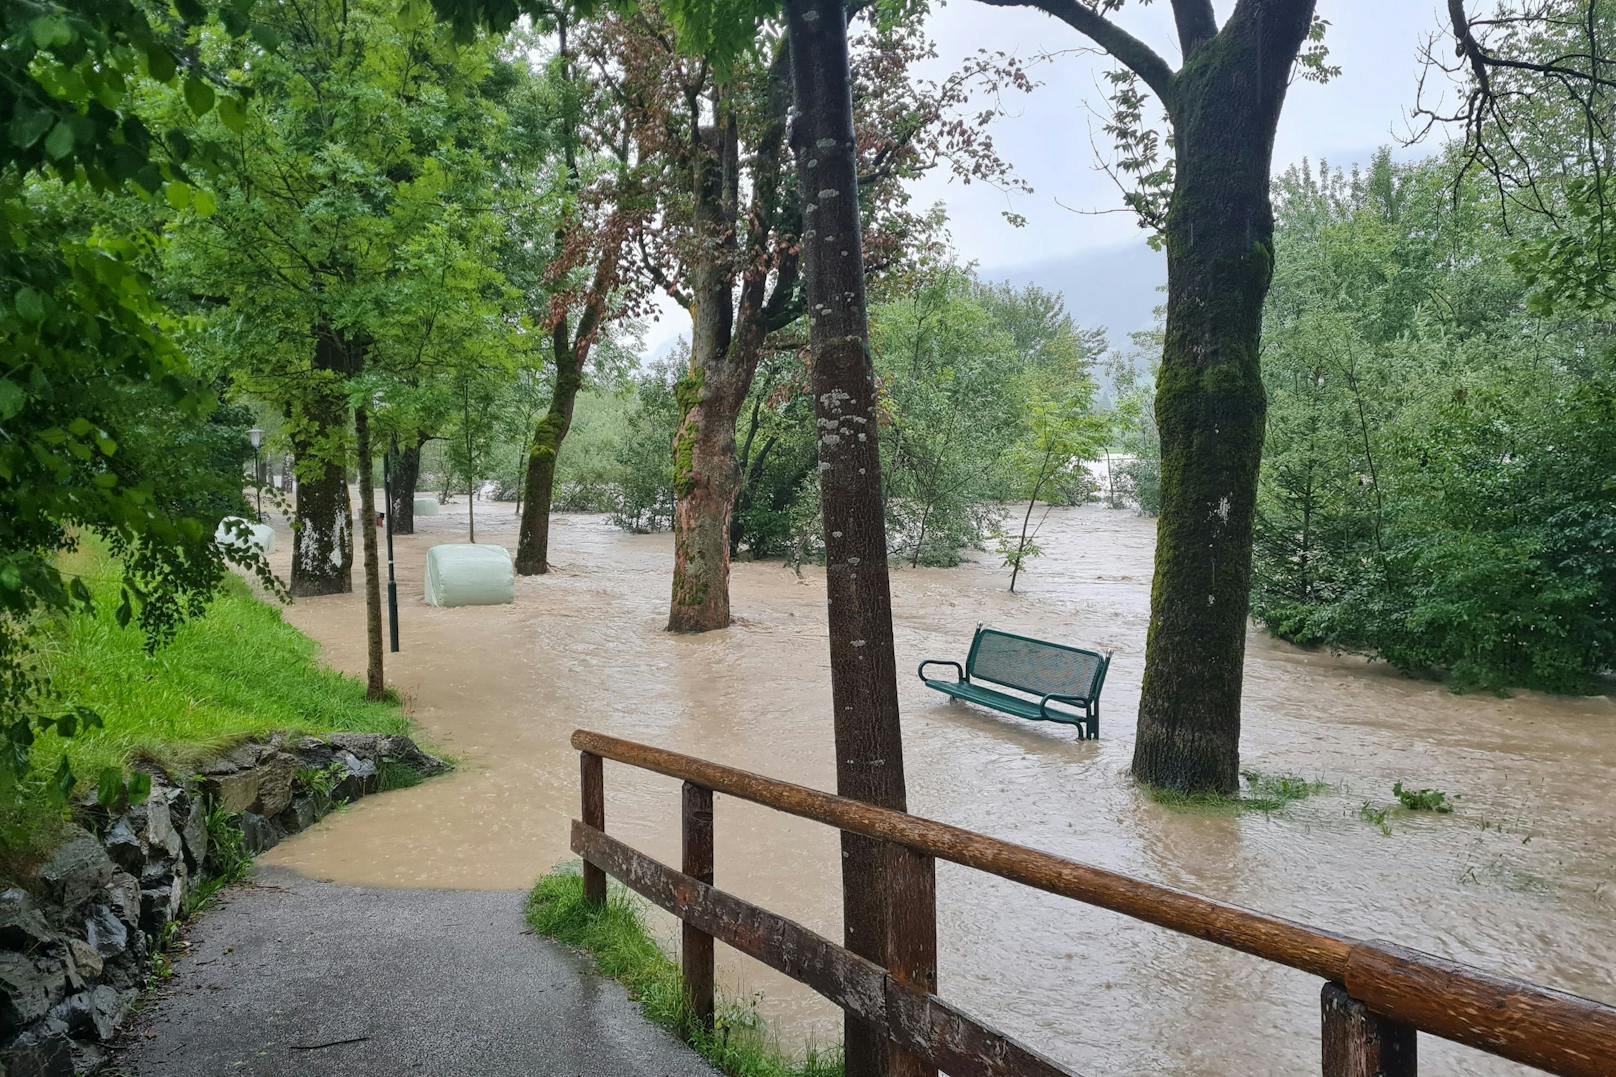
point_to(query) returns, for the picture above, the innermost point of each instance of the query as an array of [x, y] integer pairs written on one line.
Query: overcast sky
[[1046, 135]]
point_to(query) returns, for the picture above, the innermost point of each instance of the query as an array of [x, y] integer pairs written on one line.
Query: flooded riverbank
[[1521, 879]]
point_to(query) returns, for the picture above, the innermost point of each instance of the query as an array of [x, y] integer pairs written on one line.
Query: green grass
[[1262, 793], [616, 937], [238, 672]]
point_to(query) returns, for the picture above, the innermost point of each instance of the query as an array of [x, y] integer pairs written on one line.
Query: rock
[[105, 932], [360, 777], [123, 845], [92, 1014], [21, 925], [28, 988], [194, 833], [50, 1057], [257, 833], [122, 895], [76, 872], [161, 836], [263, 788], [300, 816]]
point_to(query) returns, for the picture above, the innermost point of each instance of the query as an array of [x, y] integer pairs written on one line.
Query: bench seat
[[1018, 706], [1065, 680]]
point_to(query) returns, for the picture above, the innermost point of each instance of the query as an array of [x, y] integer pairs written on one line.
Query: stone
[[278, 775], [122, 895], [161, 836], [105, 932], [360, 777], [194, 833], [49, 1057], [76, 872], [29, 987], [86, 961], [300, 816], [123, 845], [257, 833], [21, 925], [92, 1014]]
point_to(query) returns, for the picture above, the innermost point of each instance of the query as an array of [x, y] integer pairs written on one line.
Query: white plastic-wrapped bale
[[426, 505], [229, 533], [469, 574]]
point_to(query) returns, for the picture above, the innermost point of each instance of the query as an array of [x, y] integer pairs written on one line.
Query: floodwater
[[1520, 880]]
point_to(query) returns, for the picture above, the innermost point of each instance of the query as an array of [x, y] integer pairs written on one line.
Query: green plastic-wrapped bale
[[469, 574], [426, 505]]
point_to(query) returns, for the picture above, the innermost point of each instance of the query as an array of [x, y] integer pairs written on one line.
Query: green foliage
[[1436, 487], [239, 671], [1433, 800], [616, 936], [645, 455], [107, 427]]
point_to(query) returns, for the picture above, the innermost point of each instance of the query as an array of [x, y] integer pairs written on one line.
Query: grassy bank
[[237, 672], [617, 938]]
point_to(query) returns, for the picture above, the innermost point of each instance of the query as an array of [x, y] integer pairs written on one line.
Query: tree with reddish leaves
[[727, 247]]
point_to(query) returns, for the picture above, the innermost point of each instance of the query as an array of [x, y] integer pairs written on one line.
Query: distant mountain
[[1115, 287]]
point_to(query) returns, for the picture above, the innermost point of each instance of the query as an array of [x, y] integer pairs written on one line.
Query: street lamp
[[256, 436]]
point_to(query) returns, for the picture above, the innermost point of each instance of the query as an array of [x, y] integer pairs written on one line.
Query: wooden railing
[[1376, 994]]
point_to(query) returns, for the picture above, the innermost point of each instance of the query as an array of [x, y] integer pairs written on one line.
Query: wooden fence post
[[592, 783], [1361, 1043], [912, 940], [698, 864]]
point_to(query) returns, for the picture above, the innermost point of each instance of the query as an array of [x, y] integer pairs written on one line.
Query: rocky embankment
[[78, 938]]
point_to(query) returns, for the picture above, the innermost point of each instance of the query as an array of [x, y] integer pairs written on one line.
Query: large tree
[[727, 247], [1223, 104]]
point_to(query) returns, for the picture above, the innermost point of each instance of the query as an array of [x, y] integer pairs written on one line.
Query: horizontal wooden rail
[[915, 1020], [1559, 1032]]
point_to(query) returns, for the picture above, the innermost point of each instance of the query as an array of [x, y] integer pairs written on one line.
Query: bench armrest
[[959, 671], [1076, 701]]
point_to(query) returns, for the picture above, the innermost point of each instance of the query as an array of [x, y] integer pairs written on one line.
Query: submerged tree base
[[616, 936]]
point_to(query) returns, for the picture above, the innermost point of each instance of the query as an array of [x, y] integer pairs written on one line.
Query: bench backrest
[[1032, 665]]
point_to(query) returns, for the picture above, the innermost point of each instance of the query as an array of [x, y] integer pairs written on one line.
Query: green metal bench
[[1068, 677]]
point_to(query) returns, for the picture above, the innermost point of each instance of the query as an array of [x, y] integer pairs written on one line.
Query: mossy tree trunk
[[1224, 104], [886, 896], [322, 538], [1210, 404], [533, 540], [733, 310]]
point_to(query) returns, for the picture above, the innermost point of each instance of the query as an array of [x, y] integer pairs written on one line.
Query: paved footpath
[[289, 976]]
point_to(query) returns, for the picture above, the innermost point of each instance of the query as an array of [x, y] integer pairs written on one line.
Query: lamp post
[[392, 581], [256, 436]]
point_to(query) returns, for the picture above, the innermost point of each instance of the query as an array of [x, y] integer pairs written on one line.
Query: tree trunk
[[406, 473], [706, 480], [1210, 402], [533, 543], [322, 539], [884, 895], [375, 685], [705, 475]]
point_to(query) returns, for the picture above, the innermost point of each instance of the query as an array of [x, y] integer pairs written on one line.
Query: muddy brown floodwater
[[1521, 879]]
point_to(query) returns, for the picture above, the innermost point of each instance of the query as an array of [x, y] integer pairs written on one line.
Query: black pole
[[258, 481], [392, 580]]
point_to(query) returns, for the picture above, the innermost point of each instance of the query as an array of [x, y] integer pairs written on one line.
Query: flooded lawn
[[1519, 879]]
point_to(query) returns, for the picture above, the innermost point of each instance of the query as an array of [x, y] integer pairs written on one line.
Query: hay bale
[[228, 533], [426, 505], [469, 574]]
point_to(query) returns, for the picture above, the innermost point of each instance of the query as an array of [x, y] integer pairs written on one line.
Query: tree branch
[[1196, 24], [1126, 49]]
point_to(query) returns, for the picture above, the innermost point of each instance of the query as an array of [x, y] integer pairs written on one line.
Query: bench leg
[[1094, 725]]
